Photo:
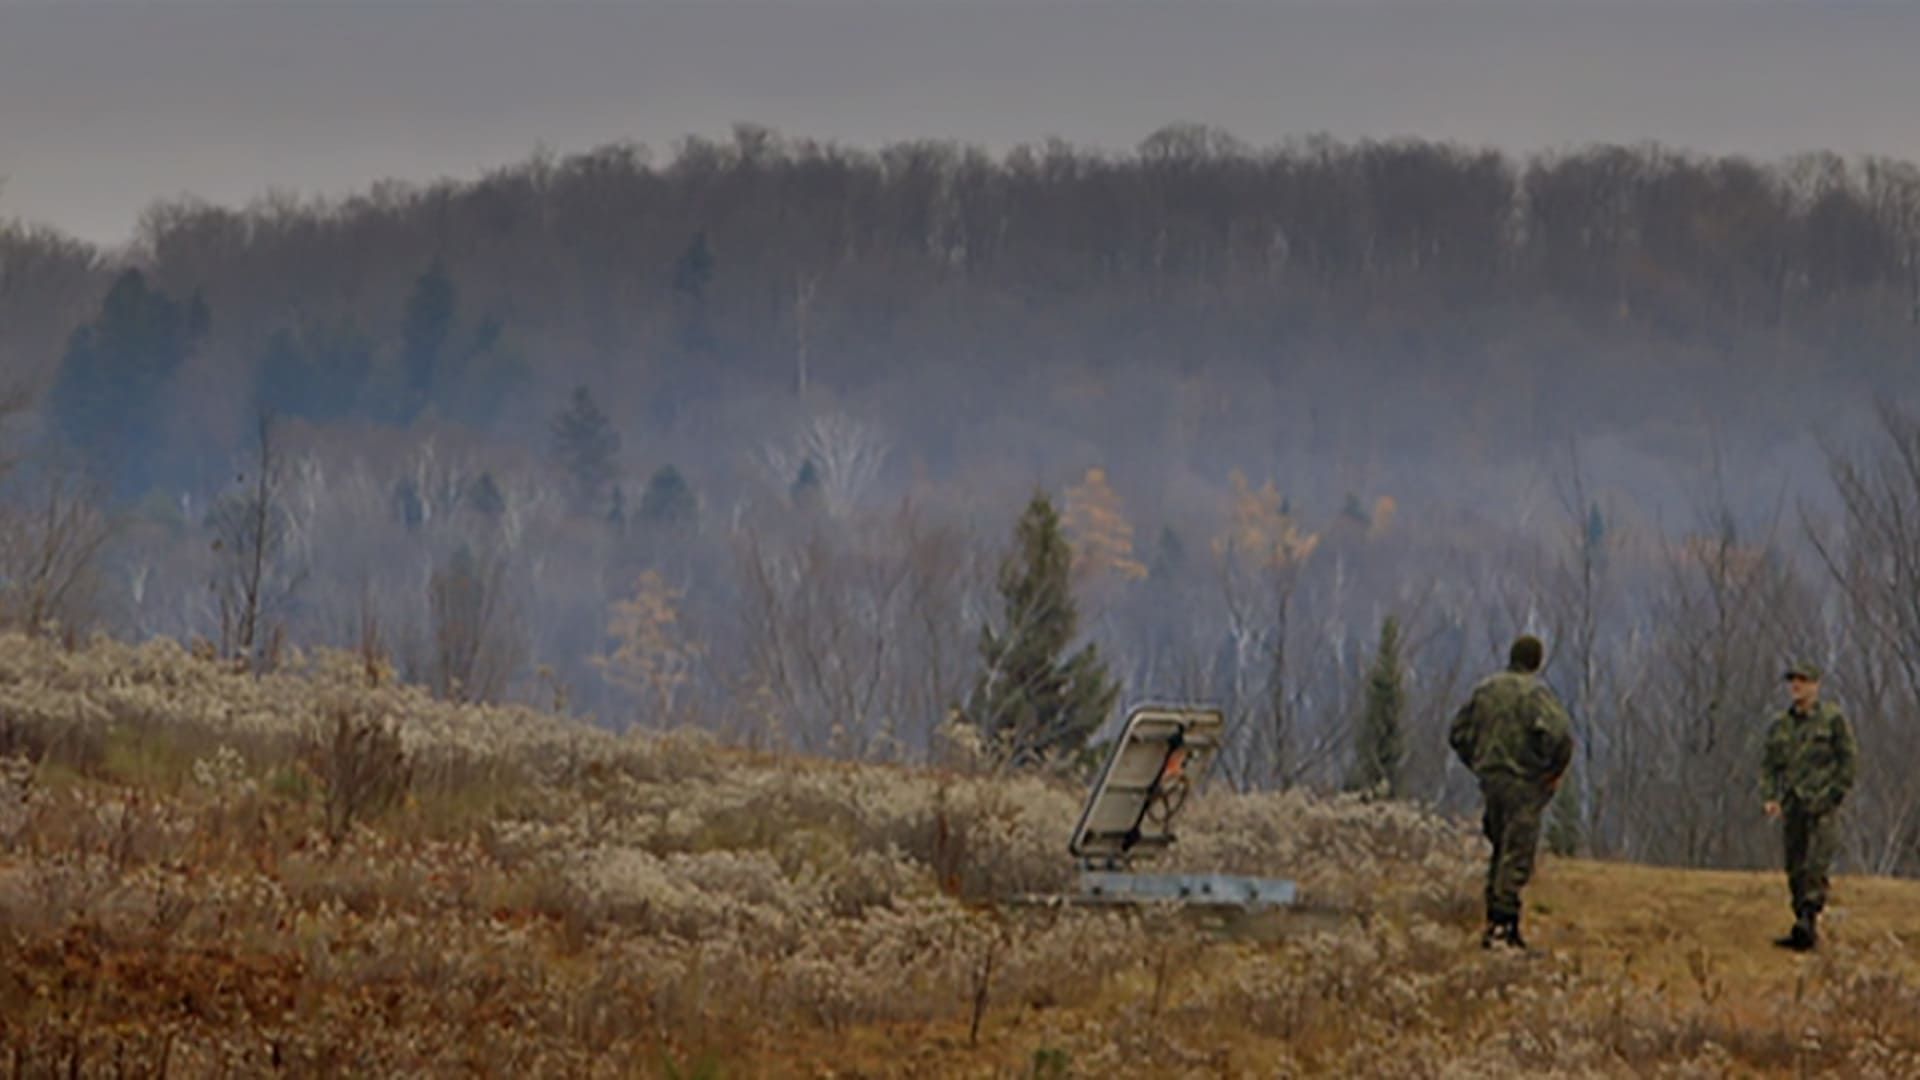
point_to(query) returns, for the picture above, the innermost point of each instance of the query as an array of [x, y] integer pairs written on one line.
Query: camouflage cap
[[1802, 670]]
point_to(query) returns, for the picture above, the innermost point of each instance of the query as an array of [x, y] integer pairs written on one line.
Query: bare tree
[[253, 578], [1287, 668], [1578, 601], [14, 399], [1893, 190], [846, 454], [823, 614], [1733, 607], [804, 288], [478, 643], [50, 543], [1875, 562]]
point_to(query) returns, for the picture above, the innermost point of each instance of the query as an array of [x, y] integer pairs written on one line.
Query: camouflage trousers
[[1514, 809], [1811, 841]]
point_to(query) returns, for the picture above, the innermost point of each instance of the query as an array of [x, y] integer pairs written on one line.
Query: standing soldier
[[1806, 772], [1513, 734]]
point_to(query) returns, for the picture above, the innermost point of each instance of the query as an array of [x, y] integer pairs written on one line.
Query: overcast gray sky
[[106, 105]]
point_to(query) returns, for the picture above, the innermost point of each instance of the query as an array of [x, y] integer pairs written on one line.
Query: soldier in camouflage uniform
[[1806, 772], [1513, 733]]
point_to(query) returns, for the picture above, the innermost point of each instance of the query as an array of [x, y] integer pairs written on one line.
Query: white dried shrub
[[224, 773], [689, 896], [1343, 850]]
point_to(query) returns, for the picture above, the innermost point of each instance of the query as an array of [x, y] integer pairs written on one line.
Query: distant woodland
[[753, 435]]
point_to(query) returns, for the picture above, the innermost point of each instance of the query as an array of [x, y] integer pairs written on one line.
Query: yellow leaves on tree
[[652, 657], [1261, 531], [1723, 561], [1383, 508], [1098, 531]]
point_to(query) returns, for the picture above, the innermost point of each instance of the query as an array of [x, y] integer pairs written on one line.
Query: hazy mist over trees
[[738, 436]]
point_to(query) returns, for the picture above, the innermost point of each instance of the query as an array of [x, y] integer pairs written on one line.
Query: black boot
[[1804, 935], [1502, 930]]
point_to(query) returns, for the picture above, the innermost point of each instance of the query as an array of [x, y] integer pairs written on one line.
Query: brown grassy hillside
[[207, 874]]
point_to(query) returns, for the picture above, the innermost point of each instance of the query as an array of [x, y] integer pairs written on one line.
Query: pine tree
[[315, 373], [409, 509], [1169, 555], [423, 338], [695, 268], [485, 498], [1379, 744], [617, 508], [805, 491], [106, 401], [668, 499], [692, 272], [1030, 702], [586, 446]]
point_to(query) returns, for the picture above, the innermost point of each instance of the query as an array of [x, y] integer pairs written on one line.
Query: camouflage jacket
[[1808, 763], [1512, 726]]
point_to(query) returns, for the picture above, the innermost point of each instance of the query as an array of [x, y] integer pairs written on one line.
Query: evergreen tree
[[476, 381], [691, 274], [668, 499], [1031, 702], [1169, 555], [1379, 745], [806, 491], [315, 373], [106, 401], [485, 498], [423, 338], [409, 509], [617, 508], [695, 268], [586, 446]]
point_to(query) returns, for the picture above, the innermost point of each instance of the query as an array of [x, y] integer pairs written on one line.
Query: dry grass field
[[320, 872]]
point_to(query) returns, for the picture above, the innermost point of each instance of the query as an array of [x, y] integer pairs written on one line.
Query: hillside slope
[[202, 873]]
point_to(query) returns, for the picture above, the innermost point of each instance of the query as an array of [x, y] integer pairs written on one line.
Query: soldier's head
[[1803, 683], [1526, 655]]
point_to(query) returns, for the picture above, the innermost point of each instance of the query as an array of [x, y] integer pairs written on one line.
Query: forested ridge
[[736, 435]]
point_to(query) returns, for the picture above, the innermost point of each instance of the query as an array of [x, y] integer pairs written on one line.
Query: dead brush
[[360, 759], [1879, 1004], [17, 799]]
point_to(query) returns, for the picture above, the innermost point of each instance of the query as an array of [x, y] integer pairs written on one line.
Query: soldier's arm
[[1548, 734], [1464, 733], [1773, 764], [1845, 752], [1560, 725]]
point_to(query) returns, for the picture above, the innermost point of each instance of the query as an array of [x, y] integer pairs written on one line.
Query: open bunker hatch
[[1161, 757]]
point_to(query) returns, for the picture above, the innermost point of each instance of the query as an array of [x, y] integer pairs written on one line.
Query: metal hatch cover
[[1162, 754]]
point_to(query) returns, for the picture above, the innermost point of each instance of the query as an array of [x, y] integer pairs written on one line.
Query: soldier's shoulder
[[1541, 687], [1488, 682]]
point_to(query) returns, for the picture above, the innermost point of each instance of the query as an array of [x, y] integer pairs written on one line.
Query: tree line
[[784, 264]]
